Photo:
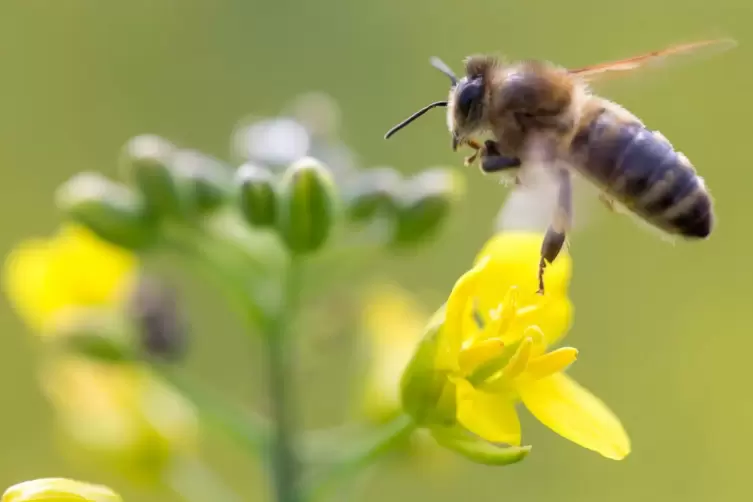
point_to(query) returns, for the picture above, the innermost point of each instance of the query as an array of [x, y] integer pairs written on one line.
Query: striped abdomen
[[643, 172]]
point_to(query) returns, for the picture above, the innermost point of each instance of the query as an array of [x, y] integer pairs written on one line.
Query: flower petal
[[490, 416], [518, 253], [452, 331], [513, 260], [393, 323], [573, 412]]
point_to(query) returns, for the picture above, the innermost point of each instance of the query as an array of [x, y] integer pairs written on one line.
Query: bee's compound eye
[[470, 92]]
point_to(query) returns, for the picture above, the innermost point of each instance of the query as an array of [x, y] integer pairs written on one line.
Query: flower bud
[[154, 310], [476, 449], [425, 205], [112, 211], [59, 490], [95, 334], [147, 161], [207, 182], [427, 394], [373, 191], [257, 195], [307, 205]]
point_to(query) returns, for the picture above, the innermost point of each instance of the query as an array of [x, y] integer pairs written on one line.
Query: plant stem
[[285, 461], [359, 454], [243, 427]]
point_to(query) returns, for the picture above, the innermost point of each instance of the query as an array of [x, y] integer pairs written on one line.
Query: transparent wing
[[675, 54], [530, 205]]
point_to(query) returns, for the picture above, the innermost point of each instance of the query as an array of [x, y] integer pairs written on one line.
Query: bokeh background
[[664, 331]]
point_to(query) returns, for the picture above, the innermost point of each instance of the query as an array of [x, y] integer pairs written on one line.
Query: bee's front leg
[[492, 161]]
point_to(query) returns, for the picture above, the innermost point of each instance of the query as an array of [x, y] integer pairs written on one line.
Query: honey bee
[[539, 113]]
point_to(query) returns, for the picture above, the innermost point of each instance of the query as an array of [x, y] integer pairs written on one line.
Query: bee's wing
[[652, 59], [530, 206]]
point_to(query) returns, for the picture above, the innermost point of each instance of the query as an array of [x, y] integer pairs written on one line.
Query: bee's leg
[[554, 239], [493, 162]]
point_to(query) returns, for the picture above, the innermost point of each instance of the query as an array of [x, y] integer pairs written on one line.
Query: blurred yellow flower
[[487, 350], [59, 490], [119, 414], [44, 278], [393, 322]]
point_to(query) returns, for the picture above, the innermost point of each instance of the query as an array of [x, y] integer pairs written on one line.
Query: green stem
[[360, 454], [243, 427], [285, 462]]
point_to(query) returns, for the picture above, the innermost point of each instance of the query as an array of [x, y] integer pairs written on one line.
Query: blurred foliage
[[654, 322]]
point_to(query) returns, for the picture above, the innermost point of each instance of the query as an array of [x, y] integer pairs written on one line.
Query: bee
[[540, 113]]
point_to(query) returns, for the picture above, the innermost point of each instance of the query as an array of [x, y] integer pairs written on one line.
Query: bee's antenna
[[442, 66], [414, 117]]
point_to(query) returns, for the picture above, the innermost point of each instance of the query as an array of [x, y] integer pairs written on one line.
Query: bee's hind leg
[[554, 239]]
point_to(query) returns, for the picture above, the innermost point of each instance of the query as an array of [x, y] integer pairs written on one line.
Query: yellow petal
[[393, 324], [553, 362], [452, 331], [513, 259], [25, 280], [574, 413], [59, 490], [490, 416], [94, 270], [518, 253], [74, 268]]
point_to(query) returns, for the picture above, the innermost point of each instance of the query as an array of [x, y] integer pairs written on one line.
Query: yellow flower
[[59, 490], [487, 349], [393, 322], [121, 415], [45, 278]]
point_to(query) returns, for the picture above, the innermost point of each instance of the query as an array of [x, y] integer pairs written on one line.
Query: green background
[[664, 331]]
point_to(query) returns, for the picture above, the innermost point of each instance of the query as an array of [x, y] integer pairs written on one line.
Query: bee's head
[[466, 112], [465, 102]]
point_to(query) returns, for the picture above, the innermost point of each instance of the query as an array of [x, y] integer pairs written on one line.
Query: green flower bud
[[424, 206], [207, 182], [476, 449], [95, 334], [112, 211], [147, 163], [307, 205], [257, 195], [372, 192], [427, 394]]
